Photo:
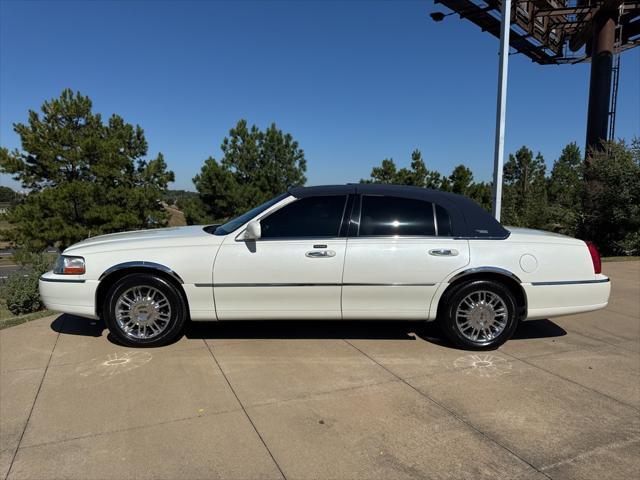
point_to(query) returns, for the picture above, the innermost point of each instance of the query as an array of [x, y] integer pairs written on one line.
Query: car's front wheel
[[479, 314], [144, 310]]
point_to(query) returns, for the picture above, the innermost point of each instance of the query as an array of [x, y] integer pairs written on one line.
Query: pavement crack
[[566, 379], [593, 451], [245, 410], [26, 424], [450, 411], [129, 429]]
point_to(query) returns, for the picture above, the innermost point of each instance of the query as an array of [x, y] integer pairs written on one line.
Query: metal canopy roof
[[550, 31]]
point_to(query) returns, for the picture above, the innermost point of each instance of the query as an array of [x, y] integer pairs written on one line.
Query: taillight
[[595, 257]]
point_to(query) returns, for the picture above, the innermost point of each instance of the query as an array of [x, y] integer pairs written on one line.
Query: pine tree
[[85, 177], [524, 191], [565, 190], [416, 175], [255, 166], [612, 219]]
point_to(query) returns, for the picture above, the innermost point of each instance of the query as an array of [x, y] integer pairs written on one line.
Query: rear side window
[[307, 217], [390, 216]]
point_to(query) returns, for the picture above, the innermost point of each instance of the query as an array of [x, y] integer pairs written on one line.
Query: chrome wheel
[[143, 312], [482, 316]]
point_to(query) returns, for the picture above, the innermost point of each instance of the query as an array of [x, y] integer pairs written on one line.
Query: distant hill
[[176, 217], [173, 197]]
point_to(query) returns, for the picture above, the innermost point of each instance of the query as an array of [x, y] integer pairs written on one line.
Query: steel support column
[[602, 46]]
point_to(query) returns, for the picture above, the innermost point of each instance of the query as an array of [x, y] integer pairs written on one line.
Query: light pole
[[498, 158]]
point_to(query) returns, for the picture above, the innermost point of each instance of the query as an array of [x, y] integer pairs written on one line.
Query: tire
[[144, 310], [479, 315]]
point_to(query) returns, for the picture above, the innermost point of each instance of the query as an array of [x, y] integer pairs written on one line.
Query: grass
[[630, 258]]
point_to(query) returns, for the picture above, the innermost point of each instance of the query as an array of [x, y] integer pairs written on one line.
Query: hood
[[173, 236]]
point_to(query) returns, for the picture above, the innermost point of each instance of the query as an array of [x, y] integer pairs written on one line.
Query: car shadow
[[309, 329], [538, 329]]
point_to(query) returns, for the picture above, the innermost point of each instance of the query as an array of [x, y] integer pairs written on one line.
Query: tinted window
[[444, 222], [307, 217], [383, 216], [232, 225]]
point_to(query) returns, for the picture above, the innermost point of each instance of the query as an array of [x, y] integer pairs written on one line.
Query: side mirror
[[253, 231]]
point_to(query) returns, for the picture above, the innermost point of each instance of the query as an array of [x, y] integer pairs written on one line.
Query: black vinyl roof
[[468, 219]]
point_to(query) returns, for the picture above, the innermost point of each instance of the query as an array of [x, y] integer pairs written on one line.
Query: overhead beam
[[491, 24], [630, 30], [561, 12]]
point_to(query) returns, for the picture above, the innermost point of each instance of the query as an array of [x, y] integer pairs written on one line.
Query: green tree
[[85, 177], [482, 193], [565, 191], [416, 175], [461, 180], [255, 166], [7, 195], [524, 191], [612, 199]]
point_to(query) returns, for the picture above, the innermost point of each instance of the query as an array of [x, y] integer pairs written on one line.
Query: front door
[[294, 271], [401, 252]]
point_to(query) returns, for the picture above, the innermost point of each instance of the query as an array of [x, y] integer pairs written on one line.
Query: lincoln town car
[[343, 252]]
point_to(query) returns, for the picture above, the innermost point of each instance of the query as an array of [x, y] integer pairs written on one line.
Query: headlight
[[69, 265]]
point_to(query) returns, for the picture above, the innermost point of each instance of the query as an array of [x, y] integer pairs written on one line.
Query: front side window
[[308, 217], [237, 222], [383, 216]]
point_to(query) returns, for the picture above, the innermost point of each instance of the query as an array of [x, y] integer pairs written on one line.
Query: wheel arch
[[499, 275], [110, 276]]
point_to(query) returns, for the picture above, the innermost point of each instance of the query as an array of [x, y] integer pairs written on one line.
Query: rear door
[[398, 254]]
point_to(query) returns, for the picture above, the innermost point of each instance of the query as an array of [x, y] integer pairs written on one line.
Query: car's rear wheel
[[479, 314], [144, 310]]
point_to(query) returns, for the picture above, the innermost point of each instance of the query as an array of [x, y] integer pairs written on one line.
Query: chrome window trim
[[400, 237], [141, 264], [297, 239], [435, 219], [471, 271]]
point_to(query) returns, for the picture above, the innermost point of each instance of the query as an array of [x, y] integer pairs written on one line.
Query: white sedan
[[333, 252]]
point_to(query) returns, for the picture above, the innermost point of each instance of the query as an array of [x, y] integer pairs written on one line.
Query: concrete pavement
[[326, 400]]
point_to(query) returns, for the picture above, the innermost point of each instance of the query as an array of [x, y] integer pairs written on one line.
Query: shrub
[[20, 290], [21, 293]]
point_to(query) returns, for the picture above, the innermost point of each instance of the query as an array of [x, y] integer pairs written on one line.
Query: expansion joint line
[[244, 410], [450, 411], [44, 374]]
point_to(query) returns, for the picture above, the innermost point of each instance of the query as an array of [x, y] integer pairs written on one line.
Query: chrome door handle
[[321, 254], [443, 252]]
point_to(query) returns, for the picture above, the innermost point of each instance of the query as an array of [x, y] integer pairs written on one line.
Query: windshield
[[237, 222]]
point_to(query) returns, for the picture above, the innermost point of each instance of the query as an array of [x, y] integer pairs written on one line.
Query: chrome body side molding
[[569, 282], [149, 265], [471, 271], [237, 285]]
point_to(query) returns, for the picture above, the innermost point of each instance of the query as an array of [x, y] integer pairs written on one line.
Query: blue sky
[[353, 82]]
